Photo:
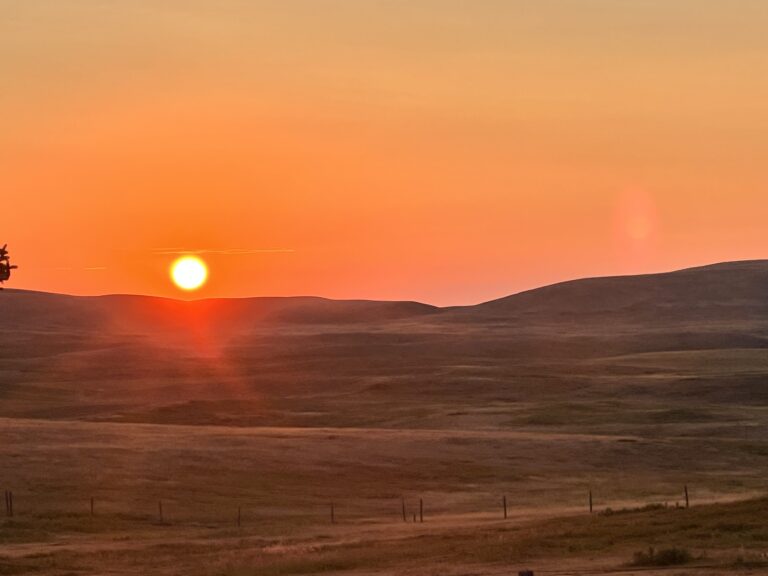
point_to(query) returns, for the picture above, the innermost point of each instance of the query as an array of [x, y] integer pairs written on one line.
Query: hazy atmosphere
[[442, 151], [383, 287]]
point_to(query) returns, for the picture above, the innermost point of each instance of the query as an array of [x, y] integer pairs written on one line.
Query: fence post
[[403, 509], [590, 501], [687, 503], [504, 503]]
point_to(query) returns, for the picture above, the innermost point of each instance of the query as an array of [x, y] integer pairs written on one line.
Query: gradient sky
[[438, 150]]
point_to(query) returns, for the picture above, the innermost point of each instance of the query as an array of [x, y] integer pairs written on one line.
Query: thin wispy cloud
[[85, 268], [225, 252]]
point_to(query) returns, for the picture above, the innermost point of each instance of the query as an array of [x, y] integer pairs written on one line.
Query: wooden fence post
[[687, 503], [504, 503], [403, 509]]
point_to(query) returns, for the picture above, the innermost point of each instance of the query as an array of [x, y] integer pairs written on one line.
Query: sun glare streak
[[189, 272]]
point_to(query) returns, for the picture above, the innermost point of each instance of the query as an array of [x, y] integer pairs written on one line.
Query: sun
[[189, 272]]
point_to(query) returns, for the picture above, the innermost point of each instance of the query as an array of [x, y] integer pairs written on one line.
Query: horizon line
[[309, 296]]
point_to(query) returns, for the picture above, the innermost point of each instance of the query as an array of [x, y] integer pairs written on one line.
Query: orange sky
[[440, 150]]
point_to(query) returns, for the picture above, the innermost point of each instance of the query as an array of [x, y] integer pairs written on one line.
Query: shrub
[[665, 557], [645, 508]]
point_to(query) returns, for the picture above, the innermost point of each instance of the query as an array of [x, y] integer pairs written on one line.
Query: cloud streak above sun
[[85, 268], [226, 252]]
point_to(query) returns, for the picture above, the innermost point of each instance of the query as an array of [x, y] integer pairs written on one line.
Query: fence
[[417, 515]]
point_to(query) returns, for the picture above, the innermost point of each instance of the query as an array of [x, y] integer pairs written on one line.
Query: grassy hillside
[[688, 347], [630, 387]]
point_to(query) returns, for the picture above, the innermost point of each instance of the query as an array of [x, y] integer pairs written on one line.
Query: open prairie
[[317, 423], [281, 287]]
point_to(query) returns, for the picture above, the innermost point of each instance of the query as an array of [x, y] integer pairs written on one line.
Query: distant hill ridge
[[549, 355], [728, 288], [135, 311], [741, 285]]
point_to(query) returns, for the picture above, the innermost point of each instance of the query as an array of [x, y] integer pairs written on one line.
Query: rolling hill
[[656, 340], [727, 291]]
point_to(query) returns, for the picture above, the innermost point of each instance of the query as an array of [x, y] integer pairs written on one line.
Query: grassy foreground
[[718, 537]]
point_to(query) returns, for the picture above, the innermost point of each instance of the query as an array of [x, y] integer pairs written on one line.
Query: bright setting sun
[[189, 272]]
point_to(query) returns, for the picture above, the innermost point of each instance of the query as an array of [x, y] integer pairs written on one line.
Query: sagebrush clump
[[665, 557]]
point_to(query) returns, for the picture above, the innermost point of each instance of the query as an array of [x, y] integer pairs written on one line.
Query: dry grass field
[[285, 479], [280, 408]]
